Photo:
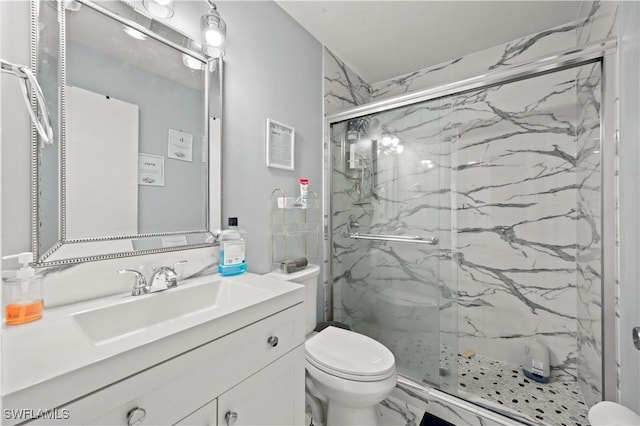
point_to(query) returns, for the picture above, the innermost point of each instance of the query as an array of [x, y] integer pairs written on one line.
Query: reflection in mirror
[[133, 106]]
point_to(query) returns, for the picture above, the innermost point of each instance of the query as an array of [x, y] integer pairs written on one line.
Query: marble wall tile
[[596, 21], [505, 55], [388, 287], [515, 225], [398, 412], [494, 174], [343, 88], [516, 247], [532, 208], [405, 407], [599, 23]]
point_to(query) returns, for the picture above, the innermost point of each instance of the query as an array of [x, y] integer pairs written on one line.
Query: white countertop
[[52, 361]]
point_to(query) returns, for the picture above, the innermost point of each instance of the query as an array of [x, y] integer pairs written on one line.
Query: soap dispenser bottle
[[232, 250], [22, 292]]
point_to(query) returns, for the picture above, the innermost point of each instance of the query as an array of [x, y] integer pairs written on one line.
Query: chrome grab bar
[[432, 241], [29, 82]]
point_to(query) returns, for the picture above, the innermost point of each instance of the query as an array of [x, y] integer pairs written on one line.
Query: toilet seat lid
[[349, 354]]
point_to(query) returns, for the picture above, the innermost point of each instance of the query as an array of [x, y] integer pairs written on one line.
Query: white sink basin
[[135, 314], [117, 336]]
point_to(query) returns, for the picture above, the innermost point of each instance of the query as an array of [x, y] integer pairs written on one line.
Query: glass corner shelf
[[280, 201], [295, 228]]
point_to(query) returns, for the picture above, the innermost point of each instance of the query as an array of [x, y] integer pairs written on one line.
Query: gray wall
[[16, 189], [629, 202], [273, 69]]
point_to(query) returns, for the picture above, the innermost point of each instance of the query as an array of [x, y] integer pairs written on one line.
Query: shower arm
[[40, 119]]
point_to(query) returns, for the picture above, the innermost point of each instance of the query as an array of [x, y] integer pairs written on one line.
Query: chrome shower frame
[[605, 53]]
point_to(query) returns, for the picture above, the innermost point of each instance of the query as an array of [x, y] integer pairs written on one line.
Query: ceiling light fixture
[[159, 8], [214, 32]]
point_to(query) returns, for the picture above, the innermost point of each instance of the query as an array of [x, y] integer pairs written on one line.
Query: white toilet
[[608, 413], [347, 373]]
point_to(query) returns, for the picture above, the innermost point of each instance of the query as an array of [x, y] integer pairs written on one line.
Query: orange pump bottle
[[22, 293]]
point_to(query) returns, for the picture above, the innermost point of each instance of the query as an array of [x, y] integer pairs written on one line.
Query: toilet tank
[[307, 277]]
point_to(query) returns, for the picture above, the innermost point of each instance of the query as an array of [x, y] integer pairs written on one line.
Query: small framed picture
[[280, 145]]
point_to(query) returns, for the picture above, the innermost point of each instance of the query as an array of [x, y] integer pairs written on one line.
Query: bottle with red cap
[[304, 192]]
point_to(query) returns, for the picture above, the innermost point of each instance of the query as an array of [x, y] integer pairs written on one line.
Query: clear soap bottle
[[22, 296]]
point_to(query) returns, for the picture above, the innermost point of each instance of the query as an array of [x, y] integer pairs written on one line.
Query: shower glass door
[[392, 221], [508, 179]]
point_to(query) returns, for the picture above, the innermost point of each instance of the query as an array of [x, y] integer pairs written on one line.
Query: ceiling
[[384, 39]]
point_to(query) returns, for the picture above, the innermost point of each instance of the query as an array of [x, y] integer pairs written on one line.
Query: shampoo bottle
[[22, 292], [536, 361], [232, 250]]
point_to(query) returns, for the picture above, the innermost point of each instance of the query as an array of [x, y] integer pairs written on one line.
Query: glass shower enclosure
[[466, 228]]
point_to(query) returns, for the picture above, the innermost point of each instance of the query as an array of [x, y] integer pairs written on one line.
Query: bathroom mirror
[[137, 109]]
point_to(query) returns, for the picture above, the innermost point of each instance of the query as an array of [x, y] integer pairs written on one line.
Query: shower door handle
[[636, 337], [416, 239]]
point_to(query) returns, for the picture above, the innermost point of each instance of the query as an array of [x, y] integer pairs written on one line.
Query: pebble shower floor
[[557, 403], [493, 384]]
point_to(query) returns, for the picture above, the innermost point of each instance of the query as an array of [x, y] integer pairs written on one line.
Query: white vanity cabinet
[[270, 397], [256, 372], [203, 416]]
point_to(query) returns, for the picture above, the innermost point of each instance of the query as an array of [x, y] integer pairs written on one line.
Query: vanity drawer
[[171, 390]]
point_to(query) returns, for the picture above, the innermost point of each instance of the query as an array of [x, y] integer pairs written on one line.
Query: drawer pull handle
[[231, 418], [136, 416], [273, 341]]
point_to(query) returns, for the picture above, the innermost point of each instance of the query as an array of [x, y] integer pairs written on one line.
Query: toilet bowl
[[347, 373], [607, 413], [350, 373]]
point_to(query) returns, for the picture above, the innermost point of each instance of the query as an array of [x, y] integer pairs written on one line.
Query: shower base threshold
[[502, 387]]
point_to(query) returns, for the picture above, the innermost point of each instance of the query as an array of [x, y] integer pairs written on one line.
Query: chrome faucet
[[140, 287], [168, 273]]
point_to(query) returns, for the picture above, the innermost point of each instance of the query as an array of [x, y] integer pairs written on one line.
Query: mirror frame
[[111, 247]]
